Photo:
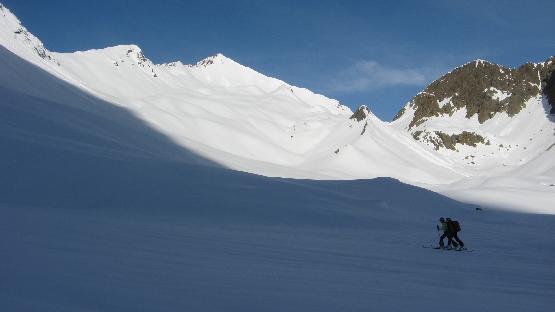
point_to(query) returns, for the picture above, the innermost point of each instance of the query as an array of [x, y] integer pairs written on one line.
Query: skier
[[454, 227], [446, 233]]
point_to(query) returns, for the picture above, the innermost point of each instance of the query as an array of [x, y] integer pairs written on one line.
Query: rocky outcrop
[[550, 92], [23, 36], [360, 114], [478, 90], [449, 141], [549, 83], [135, 56], [483, 89]]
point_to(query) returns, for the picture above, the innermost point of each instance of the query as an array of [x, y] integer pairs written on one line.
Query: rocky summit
[[473, 103], [483, 89]]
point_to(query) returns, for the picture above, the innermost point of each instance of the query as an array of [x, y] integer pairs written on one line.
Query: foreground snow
[[72, 259]]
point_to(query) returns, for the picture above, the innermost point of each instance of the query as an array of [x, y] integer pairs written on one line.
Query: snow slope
[[242, 119]]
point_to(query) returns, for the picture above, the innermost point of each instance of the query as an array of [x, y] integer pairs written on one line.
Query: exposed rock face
[[483, 89], [465, 137], [479, 90], [21, 34], [443, 140], [549, 83], [550, 92], [211, 60], [360, 114], [134, 55]]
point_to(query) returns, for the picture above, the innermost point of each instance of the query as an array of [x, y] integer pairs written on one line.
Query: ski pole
[[437, 232]]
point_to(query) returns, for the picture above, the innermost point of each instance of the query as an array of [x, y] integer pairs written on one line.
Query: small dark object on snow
[[479, 209]]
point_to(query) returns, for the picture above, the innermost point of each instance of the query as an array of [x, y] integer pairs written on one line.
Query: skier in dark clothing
[[449, 229], [444, 227], [454, 228]]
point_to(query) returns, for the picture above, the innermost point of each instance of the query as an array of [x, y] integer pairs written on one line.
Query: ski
[[464, 249], [446, 249], [431, 247]]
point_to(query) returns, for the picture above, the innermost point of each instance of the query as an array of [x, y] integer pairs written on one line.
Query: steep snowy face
[[16, 38], [218, 108], [127, 65]]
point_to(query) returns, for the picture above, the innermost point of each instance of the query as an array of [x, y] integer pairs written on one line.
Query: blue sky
[[378, 53]]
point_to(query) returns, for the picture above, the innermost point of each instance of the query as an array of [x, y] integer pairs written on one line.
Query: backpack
[[456, 226]]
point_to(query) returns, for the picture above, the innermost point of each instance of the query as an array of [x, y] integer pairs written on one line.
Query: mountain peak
[[219, 58], [136, 53], [470, 96], [480, 62], [481, 88], [119, 50], [477, 64]]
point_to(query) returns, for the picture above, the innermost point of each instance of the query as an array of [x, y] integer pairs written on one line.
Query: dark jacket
[[450, 227]]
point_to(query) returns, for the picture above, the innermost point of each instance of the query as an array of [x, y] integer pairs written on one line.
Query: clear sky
[[378, 53]]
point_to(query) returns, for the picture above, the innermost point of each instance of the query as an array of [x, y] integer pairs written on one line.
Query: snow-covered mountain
[[233, 116], [491, 122], [475, 103], [237, 117]]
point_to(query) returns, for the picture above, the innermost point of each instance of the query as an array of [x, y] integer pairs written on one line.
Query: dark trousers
[[449, 239], [455, 237], [452, 239]]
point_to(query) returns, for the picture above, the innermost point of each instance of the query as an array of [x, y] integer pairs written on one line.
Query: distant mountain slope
[[483, 89], [491, 123], [39, 108], [486, 109], [479, 91], [236, 116]]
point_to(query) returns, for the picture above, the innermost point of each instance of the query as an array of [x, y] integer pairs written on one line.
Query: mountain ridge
[[518, 84]]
